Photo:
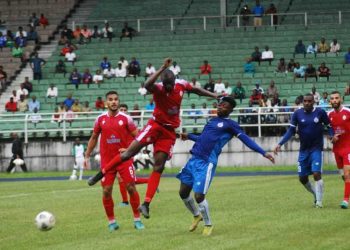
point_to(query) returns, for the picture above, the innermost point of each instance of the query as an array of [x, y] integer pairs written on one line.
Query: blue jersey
[[216, 133], [310, 128]]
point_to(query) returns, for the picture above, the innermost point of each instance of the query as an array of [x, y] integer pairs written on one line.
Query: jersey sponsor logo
[[220, 124], [121, 123], [316, 120], [113, 140], [198, 183], [344, 117]]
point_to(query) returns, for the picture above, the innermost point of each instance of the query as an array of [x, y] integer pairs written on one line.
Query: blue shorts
[[309, 162], [198, 174]]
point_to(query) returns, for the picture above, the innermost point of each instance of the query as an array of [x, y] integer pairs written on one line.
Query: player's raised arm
[[203, 92], [149, 84]]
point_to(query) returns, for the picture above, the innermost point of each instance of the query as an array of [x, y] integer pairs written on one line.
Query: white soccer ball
[[45, 221], [97, 158], [73, 177], [18, 162]]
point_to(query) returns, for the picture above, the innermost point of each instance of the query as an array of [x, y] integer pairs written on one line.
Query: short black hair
[[228, 99], [309, 94], [111, 92], [335, 92], [167, 74], [123, 105]]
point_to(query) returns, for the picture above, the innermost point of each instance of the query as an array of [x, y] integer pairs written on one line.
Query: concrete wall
[[51, 155]]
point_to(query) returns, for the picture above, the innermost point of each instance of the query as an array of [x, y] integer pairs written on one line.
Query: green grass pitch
[[270, 212]]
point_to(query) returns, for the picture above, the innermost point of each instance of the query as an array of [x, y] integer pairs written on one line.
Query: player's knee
[[107, 193], [159, 168], [131, 188], [317, 176], [199, 197], [303, 179], [183, 194]]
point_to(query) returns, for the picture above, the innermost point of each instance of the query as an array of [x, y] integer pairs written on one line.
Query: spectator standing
[[127, 32], [36, 63], [323, 71], [149, 70], [17, 153], [272, 10], [175, 68], [299, 48], [33, 104], [267, 55], [245, 12], [258, 12], [75, 78], [11, 106]]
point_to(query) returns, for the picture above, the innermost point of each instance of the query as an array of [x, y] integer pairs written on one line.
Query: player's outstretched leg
[[319, 186], [190, 204], [308, 186], [204, 210]]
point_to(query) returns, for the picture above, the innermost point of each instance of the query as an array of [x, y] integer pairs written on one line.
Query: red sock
[[346, 191], [123, 192], [141, 180], [153, 183], [115, 161], [109, 207], [135, 203]]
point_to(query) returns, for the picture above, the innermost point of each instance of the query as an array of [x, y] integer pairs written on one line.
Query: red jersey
[[115, 134], [340, 121], [167, 108]]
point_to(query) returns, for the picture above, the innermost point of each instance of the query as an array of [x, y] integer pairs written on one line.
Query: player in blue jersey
[[310, 122], [199, 171]]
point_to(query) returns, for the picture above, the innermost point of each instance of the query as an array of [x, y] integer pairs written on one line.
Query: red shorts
[[163, 138], [342, 158], [125, 170]]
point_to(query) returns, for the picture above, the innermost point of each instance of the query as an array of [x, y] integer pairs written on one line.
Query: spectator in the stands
[[17, 52], [219, 86], [334, 47], [109, 73], [52, 92], [194, 113], [22, 104], [75, 78], [255, 97], [245, 12], [107, 32], [76, 107], [249, 67], [134, 68], [3, 40], [204, 110], [275, 100], [324, 101], [68, 101], [259, 88], [291, 65], [67, 33], [96, 33], [310, 71], [267, 55], [210, 85], [258, 12], [71, 57], [282, 66], [99, 104], [86, 107], [347, 58], [195, 83], [21, 41], [149, 70], [63, 41], [15, 96], [33, 103], [33, 20], [105, 64], [127, 31], [3, 79], [136, 113], [120, 71], [323, 71], [61, 68], [312, 48], [9, 39], [299, 71], [98, 78], [316, 95], [21, 91], [299, 48], [62, 108], [272, 89], [323, 47], [206, 68], [85, 34], [27, 84], [142, 90], [123, 62], [150, 105], [56, 117], [77, 34], [36, 63], [69, 115], [256, 55], [20, 31], [35, 117], [32, 35], [228, 89], [272, 10], [213, 111], [11, 106], [87, 77], [239, 92], [175, 68], [43, 21]]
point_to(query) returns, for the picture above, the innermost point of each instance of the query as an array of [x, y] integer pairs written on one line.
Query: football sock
[[115, 161], [191, 205], [204, 210], [319, 190], [310, 188], [153, 183], [74, 171], [81, 174], [346, 191], [123, 192], [141, 180], [135, 203], [108, 204]]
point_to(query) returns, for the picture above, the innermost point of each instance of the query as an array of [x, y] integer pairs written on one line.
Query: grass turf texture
[[273, 212]]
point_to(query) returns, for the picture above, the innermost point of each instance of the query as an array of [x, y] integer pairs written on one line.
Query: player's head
[[112, 100], [77, 141], [168, 79], [308, 102], [225, 106], [336, 100], [123, 108]]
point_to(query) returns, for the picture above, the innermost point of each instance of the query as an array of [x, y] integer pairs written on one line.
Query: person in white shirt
[[228, 89], [123, 62], [107, 32], [15, 97], [258, 88], [335, 46], [98, 78], [71, 57], [312, 48], [175, 69], [22, 91], [109, 72], [219, 86], [316, 95], [52, 92], [120, 71], [78, 152], [35, 118], [150, 70], [267, 55], [142, 90], [20, 30], [195, 83]]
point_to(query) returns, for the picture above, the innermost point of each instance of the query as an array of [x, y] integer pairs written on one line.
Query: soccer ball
[[97, 158], [45, 221], [18, 162], [73, 177]]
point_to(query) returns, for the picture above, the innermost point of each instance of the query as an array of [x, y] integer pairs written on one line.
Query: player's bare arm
[[184, 136], [149, 84], [91, 145], [203, 92], [277, 149]]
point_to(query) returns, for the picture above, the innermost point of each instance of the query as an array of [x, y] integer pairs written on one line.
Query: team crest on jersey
[[121, 123], [302, 120], [316, 120], [344, 117], [220, 125], [103, 122]]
